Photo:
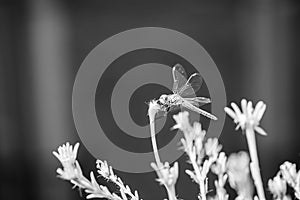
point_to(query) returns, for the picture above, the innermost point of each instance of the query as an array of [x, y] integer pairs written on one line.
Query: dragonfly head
[[163, 99]]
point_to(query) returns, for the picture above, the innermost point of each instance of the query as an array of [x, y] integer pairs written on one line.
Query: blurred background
[[43, 43]]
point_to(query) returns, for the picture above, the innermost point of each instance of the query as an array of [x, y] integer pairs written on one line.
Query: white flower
[[193, 136], [166, 175], [182, 122], [249, 117], [212, 148], [70, 172], [98, 191], [239, 174], [106, 171], [198, 135], [291, 176], [219, 167], [289, 173], [297, 186], [277, 186], [67, 156]]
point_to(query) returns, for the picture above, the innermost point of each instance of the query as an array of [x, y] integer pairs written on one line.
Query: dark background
[[43, 42]]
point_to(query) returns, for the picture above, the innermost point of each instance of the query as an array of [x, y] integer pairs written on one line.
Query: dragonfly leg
[[168, 108]]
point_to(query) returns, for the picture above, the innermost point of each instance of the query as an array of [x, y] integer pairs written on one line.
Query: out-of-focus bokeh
[[43, 43]]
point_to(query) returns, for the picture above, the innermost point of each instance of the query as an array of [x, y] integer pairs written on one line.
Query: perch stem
[[152, 112], [153, 140]]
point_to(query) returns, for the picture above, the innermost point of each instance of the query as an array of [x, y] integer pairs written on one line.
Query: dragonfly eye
[[159, 102], [163, 97]]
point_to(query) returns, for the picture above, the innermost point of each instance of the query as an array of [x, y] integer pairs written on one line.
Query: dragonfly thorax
[[170, 99], [164, 99]]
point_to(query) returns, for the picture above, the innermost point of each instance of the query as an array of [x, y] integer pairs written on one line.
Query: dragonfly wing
[[192, 85], [198, 101], [179, 77], [198, 110]]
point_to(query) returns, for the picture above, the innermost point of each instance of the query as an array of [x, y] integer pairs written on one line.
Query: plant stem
[[152, 113], [254, 165], [203, 189], [171, 192], [153, 109], [199, 177]]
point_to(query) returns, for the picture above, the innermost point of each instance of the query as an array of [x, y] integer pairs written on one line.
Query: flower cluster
[[286, 175], [248, 120], [196, 149], [205, 155], [248, 117], [219, 168], [239, 174], [278, 187], [167, 176], [107, 172], [72, 172]]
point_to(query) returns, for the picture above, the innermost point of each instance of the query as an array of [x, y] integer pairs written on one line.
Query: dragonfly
[[182, 89]]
